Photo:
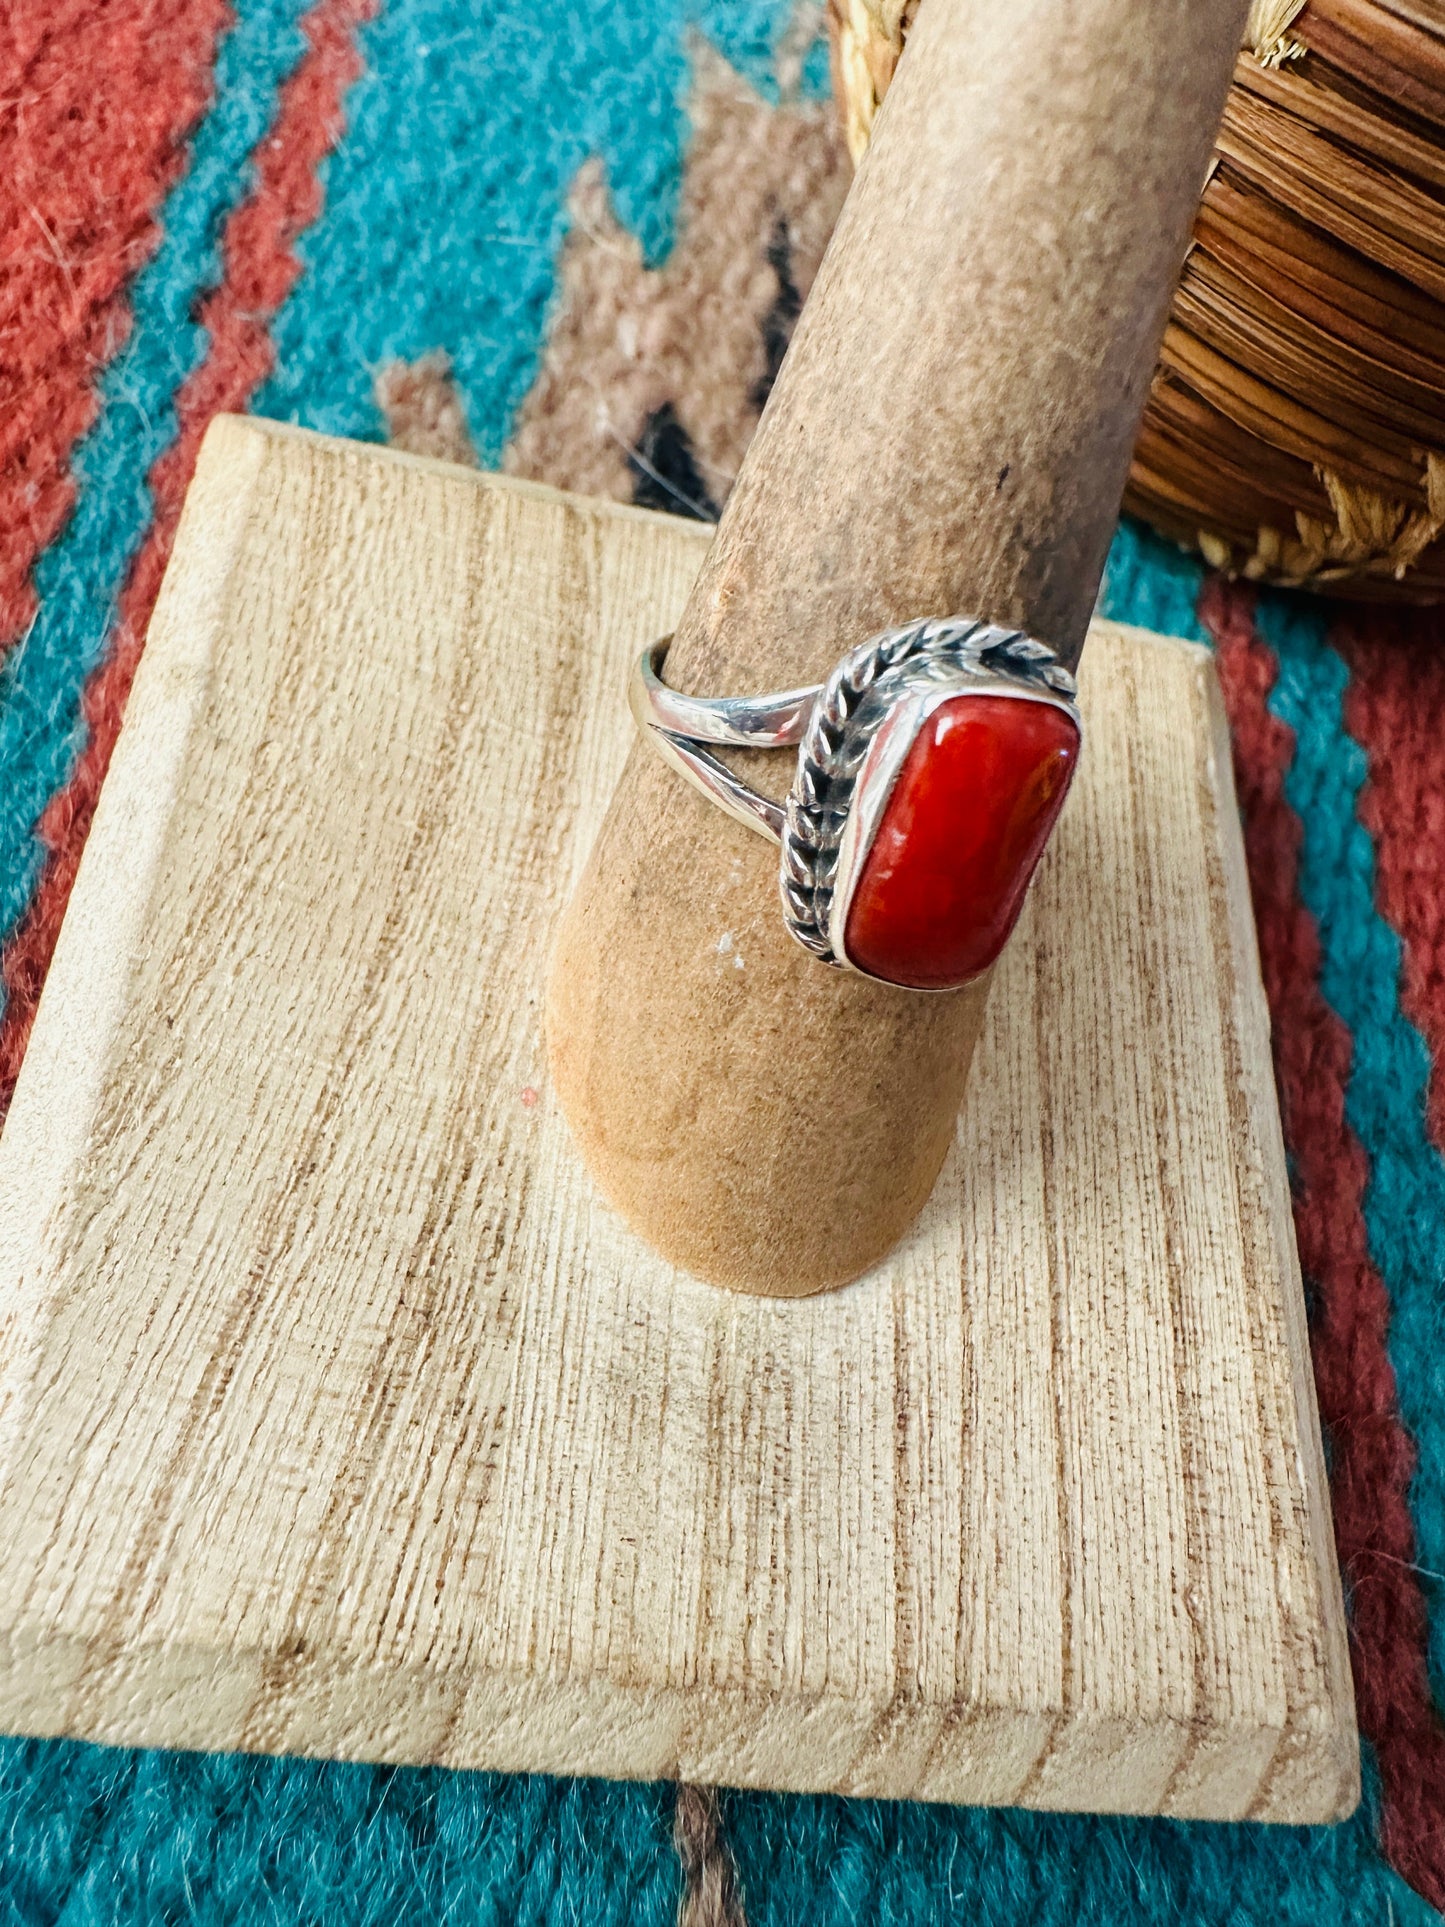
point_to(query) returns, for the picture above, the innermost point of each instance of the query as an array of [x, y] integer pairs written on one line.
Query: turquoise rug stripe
[[91, 1837], [80, 576], [1404, 1204], [99, 1838], [1153, 584], [446, 205], [831, 1863]]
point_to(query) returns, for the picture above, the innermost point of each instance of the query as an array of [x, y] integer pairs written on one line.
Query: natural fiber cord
[[1294, 432], [868, 38], [1266, 32], [709, 1879]]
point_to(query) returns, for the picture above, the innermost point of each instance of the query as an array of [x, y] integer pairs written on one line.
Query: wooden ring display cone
[[949, 433]]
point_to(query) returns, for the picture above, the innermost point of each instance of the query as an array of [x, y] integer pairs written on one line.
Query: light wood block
[[338, 1415]]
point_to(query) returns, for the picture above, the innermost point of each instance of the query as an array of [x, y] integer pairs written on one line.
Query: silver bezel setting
[[870, 697]]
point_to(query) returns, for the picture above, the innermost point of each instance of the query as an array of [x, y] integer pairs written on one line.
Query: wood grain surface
[[338, 1415]]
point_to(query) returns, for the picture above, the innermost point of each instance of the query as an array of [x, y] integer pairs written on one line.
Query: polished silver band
[[825, 823]]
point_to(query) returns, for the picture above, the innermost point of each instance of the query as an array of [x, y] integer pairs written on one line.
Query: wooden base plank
[[339, 1416]]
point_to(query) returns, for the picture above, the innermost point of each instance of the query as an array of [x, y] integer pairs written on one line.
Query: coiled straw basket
[[1295, 430]]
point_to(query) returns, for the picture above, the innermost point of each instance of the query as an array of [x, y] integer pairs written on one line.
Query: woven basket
[[1295, 430]]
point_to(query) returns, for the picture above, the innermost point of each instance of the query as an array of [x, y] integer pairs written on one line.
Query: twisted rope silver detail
[[832, 750]]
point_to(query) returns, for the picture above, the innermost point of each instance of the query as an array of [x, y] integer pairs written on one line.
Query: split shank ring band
[[932, 766]]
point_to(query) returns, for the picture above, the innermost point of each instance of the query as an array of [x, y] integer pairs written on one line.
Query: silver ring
[[918, 809]]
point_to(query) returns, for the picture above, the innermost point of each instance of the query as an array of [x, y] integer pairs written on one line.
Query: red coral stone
[[964, 826]]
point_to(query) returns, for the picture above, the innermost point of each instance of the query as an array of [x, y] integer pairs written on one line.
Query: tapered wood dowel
[[950, 433]]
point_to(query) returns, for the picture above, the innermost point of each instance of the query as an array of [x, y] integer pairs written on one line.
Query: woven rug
[[572, 240]]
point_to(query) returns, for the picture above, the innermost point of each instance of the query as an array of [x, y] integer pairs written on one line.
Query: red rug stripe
[[1395, 710], [1372, 1457], [260, 269], [95, 106]]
